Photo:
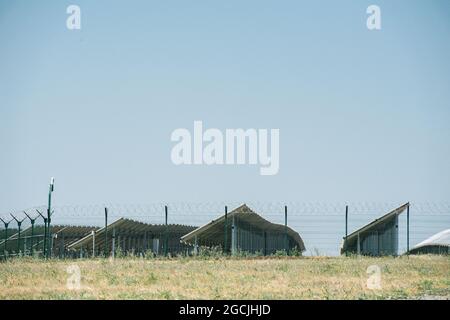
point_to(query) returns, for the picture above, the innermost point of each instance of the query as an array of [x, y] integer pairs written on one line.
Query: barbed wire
[[217, 209], [321, 224]]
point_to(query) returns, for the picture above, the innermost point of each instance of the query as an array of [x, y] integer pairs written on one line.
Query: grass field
[[226, 278]]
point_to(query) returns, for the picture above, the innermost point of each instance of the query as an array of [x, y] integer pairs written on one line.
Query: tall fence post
[[286, 244], [106, 232], [32, 233], [225, 240], [6, 236], [49, 214], [407, 229], [166, 240], [19, 226], [44, 245]]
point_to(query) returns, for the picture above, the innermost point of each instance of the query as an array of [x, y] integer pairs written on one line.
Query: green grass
[[227, 278]]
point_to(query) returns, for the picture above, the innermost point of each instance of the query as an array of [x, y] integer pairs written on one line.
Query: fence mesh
[[320, 225]]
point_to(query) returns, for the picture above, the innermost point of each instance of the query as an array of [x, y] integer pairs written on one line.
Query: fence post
[[286, 245], [407, 229], [6, 236], [19, 225], [45, 233], [32, 233], [106, 232], [225, 240], [49, 213], [166, 240]]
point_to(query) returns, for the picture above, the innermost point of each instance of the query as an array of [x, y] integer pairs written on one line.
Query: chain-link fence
[[321, 226]]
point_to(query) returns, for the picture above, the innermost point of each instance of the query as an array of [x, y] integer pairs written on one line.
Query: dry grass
[[222, 278]]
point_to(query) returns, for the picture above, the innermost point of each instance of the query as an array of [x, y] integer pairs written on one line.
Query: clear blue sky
[[363, 115]]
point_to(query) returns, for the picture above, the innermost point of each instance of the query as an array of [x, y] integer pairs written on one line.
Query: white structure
[[438, 243]]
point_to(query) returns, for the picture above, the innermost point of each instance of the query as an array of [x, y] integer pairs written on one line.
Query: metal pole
[[286, 246], [407, 229], [167, 234], [225, 240], [6, 236], [49, 208], [19, 224], [32, 232], [45, 233], [106, 231]]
